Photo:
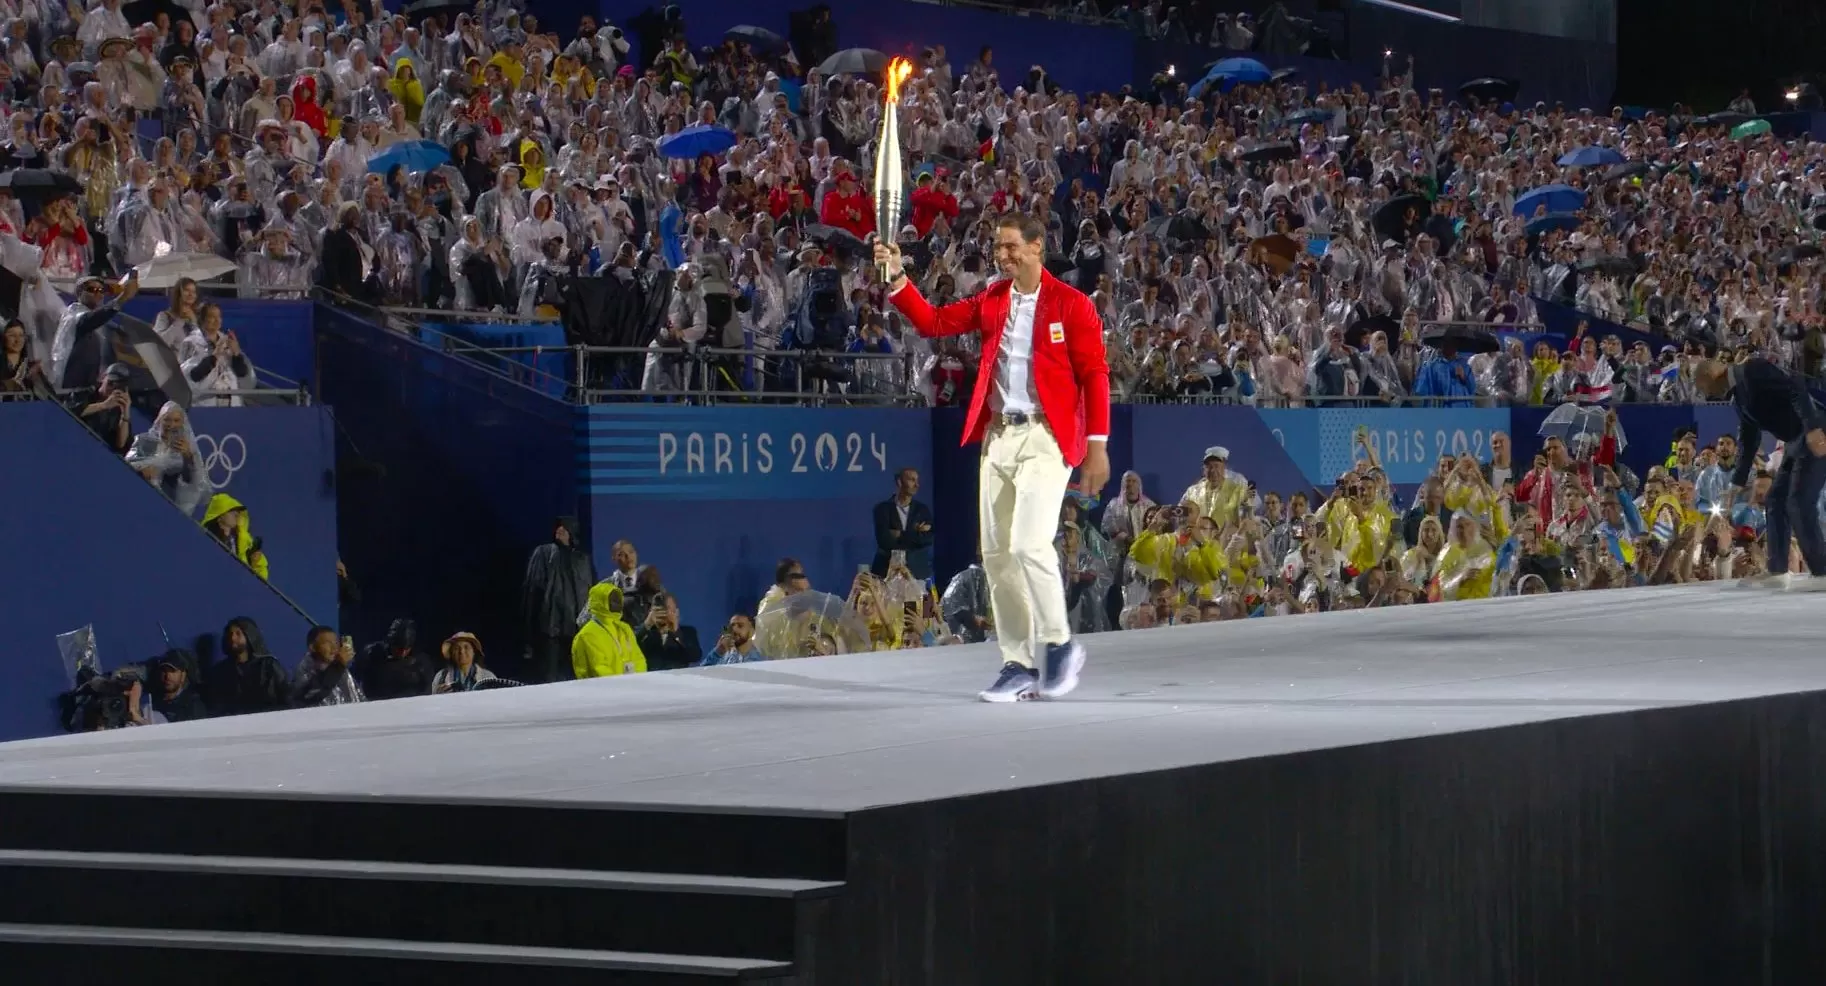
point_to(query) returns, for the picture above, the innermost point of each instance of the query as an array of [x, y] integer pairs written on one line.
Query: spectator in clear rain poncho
[[1087, 580], [79, 350], [275, 268], [965, 604], [148, 227], [399, 259], [167, 456], [480, 268], [214, 363]]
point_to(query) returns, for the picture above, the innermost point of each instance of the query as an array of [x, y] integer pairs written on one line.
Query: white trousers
[[1022, 486]]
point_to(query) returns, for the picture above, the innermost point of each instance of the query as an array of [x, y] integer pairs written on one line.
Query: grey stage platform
[[1238, 730]]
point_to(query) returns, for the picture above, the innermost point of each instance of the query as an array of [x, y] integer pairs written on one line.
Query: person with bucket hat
[[463, 670]]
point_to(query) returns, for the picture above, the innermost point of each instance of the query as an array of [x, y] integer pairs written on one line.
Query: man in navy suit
[[904, 524]]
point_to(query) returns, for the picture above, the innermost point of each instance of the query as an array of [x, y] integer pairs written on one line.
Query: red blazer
[[1070, 373]]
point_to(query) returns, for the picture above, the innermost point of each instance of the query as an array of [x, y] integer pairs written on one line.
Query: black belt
[[1017, 417]]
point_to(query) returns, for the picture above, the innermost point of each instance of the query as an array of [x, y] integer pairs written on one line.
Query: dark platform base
[[1498, 794]]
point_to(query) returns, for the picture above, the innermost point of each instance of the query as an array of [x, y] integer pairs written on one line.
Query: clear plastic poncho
[[167, 455]]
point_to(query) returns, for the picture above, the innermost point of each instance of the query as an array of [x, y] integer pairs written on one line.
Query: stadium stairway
[[89, 542], [184, 888]]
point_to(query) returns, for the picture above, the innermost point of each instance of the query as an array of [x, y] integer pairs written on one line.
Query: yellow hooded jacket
[[243, 547], [606, 646], [532, 168], [407, 88]]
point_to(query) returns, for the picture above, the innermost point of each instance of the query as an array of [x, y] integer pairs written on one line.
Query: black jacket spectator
[[891, 535], [187, 703], [342, 264], [247, 677], [393, 667], [666, 650], [110, 422]]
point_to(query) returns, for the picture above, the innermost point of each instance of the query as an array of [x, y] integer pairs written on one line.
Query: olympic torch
[[890, 168]]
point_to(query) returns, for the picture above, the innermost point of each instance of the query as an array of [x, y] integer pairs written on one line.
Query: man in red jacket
[[930, 200], [848, 207], [1041, 407]]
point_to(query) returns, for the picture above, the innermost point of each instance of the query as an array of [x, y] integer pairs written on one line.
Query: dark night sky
[[1702, 52]]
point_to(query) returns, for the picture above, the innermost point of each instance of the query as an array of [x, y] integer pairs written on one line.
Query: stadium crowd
[[1245, 238]]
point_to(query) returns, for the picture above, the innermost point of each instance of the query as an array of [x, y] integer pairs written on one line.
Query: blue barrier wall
[[447, 477], [281, 462], [276, 335], [88, 541], [714, 497]]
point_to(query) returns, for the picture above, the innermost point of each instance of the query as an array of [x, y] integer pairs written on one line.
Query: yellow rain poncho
[[532, 166], [406, 88], [1466, 573], [243, 547], [606, 646]]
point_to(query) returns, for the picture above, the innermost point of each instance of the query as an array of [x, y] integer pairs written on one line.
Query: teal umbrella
[[1749, 128]]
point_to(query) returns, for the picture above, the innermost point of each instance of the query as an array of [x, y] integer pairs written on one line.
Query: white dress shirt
[[1014, 364]]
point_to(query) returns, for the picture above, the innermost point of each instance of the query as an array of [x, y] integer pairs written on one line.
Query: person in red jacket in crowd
[[848, 207], [931, 200]]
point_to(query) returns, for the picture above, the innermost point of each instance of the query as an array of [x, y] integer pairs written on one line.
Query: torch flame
[[899, 70]]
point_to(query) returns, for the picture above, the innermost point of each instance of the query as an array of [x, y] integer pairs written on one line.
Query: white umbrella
[[166, 269]]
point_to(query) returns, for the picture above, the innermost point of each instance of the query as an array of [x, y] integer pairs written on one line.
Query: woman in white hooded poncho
[[166, 455]]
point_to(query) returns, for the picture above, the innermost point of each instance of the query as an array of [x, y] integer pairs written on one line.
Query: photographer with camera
[[115, 700], [665, 644]]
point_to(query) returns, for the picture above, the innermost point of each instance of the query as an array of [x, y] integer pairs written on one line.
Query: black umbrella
[[854, 61], [1269, 152], [1179, 226], [146, 11], [39, 184], [1490, 90], [421, 9], [1796, 254], [835, 237], [1628, 169], [1357, 334], [1463, 338], [1819, 221], [1610, 266], [1391, 221], [758, 38]]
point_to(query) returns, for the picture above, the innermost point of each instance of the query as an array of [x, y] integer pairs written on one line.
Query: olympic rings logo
[[222, 457]]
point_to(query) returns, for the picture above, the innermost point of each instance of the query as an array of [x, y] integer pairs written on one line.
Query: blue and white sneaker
[[1015, 684], [1060, 669]]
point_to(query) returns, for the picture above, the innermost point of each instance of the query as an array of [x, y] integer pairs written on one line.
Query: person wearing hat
[[1223, 494], [173, 686], [463, 670], [930, 200], [394, 667], [105, 407], [80, 348]]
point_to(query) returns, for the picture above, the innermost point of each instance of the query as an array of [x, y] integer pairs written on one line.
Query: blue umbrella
[[1557, 198], [1553, 220], [415, 155], [1229, 72], [702, 138], [1590, 157]]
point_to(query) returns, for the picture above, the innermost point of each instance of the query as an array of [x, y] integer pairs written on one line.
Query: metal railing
[[699, 375]]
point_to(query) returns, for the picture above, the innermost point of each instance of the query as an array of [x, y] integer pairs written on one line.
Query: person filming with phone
[[665, 644]]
